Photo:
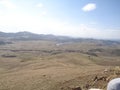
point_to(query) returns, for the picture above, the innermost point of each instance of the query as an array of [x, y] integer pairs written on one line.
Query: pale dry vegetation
[[43, 65]]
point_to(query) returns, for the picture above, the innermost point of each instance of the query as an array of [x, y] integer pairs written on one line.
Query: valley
[[57, 64]]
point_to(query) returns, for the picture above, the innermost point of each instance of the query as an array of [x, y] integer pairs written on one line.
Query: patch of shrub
[[9, 56]]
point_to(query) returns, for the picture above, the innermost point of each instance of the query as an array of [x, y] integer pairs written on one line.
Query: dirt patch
[[98, 80]]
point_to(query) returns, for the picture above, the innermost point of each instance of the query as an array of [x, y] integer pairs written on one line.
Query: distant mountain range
[[31, 36], [24, 36]]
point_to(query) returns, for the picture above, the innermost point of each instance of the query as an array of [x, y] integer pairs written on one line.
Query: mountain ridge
[[25, 35]]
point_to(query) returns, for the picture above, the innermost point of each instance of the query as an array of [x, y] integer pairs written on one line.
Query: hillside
[[32, 36], [46, 62]]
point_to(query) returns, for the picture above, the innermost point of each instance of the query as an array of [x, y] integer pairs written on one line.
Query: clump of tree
[[116, 52], [92, 54], [4, 42], [8, 56], [96, 50]]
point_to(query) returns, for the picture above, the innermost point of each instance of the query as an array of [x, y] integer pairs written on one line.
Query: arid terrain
[[58, 65]]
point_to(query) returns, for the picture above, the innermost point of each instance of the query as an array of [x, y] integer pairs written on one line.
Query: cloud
[[44, 13], [7, 4], [89, 7], [40, 5]]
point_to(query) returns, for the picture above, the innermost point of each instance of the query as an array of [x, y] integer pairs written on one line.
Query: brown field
[[49, 65]]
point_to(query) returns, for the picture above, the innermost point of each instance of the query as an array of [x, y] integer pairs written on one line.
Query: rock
[[77, 88]]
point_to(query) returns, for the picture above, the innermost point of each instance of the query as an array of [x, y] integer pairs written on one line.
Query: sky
[[99, 19]]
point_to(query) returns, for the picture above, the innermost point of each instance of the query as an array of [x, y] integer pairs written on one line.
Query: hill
[[46, 62], [32, 36]]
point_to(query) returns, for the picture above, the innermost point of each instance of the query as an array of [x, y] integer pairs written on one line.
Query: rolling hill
[[31, 61]]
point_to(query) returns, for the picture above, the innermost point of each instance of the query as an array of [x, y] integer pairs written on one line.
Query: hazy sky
[[77, 18]]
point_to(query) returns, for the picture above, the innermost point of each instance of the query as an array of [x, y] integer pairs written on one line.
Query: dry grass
[[41, 65]]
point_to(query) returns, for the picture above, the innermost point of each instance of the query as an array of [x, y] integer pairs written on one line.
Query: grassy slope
[[38, 70], [44, 74]]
